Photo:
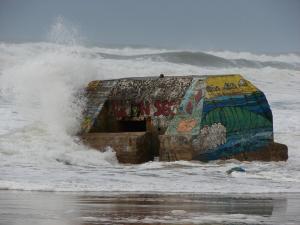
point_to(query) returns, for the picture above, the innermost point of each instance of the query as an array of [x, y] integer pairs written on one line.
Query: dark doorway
[[132, 126]]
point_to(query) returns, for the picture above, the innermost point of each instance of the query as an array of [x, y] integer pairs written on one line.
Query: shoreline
[[29, 207], [170, 193]]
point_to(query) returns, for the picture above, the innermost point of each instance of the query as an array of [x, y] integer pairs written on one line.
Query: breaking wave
[[209, 60]]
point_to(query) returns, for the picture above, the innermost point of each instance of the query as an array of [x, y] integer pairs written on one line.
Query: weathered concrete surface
[[133, 147], [96, 94], [133, 99], [173, 148], [149, 88], [272, 152], [196, 118]]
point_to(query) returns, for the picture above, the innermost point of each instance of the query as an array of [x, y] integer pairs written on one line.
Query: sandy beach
[[62, 208]]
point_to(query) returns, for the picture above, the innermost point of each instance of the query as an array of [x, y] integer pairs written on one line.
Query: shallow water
[[123, 208]]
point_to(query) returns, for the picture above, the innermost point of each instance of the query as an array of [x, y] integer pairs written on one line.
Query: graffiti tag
[[164, 108]]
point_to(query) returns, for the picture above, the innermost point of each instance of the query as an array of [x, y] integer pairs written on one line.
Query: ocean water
[[40, 111]]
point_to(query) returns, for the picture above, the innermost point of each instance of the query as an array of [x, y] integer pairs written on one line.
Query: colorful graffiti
[[93, 85], [124, 109], [235, 119], [86, 124], [186, 125], [223, 115], [242, 109], [188, 118], [119, 110], [95, 102], [227, 85], [210, 138], [219, 115], [164, 108], [144, 108]]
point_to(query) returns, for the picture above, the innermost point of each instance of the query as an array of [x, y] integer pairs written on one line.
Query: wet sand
[[59, 208]]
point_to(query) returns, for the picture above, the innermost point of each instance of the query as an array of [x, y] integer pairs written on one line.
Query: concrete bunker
[[180, 118]]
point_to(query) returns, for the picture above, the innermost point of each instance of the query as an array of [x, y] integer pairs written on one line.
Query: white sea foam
[[40, 108], [288, 58]]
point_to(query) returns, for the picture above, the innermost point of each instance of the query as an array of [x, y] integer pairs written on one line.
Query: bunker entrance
[[107, 122], [134, 140], [131, 126]]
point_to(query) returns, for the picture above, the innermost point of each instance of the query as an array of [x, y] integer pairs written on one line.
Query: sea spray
[[45, 91], [64, 33]]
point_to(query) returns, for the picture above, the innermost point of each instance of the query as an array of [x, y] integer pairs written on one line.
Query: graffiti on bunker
[[218, 116], [242, 110], [188, 118], [124, 109]]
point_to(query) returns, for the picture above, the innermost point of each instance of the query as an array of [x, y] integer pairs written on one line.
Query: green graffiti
[[235, 119]]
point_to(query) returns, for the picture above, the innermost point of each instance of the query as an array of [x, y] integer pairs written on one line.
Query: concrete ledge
[[272, 152], [130, 147], [175, 147], [179, 147]]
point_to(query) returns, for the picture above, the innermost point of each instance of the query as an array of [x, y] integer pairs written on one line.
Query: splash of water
[[44, 92], [64, 33]]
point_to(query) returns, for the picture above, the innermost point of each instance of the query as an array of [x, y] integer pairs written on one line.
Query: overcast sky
[[238, 25]]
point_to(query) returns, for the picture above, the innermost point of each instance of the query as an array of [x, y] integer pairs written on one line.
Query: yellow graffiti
[[186, 125], [92, 86], [86, 124], [228, 85]]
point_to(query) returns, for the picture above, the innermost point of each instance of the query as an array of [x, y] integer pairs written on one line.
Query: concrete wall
[[133, 147]]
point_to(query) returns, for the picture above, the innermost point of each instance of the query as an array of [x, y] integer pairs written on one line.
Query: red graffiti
[[189, 107], [144, 108], [122, 109], [198, 96], [164, 108], [118, 110]]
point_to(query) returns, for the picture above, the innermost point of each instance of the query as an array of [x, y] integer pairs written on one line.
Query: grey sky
[[239, 25]]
